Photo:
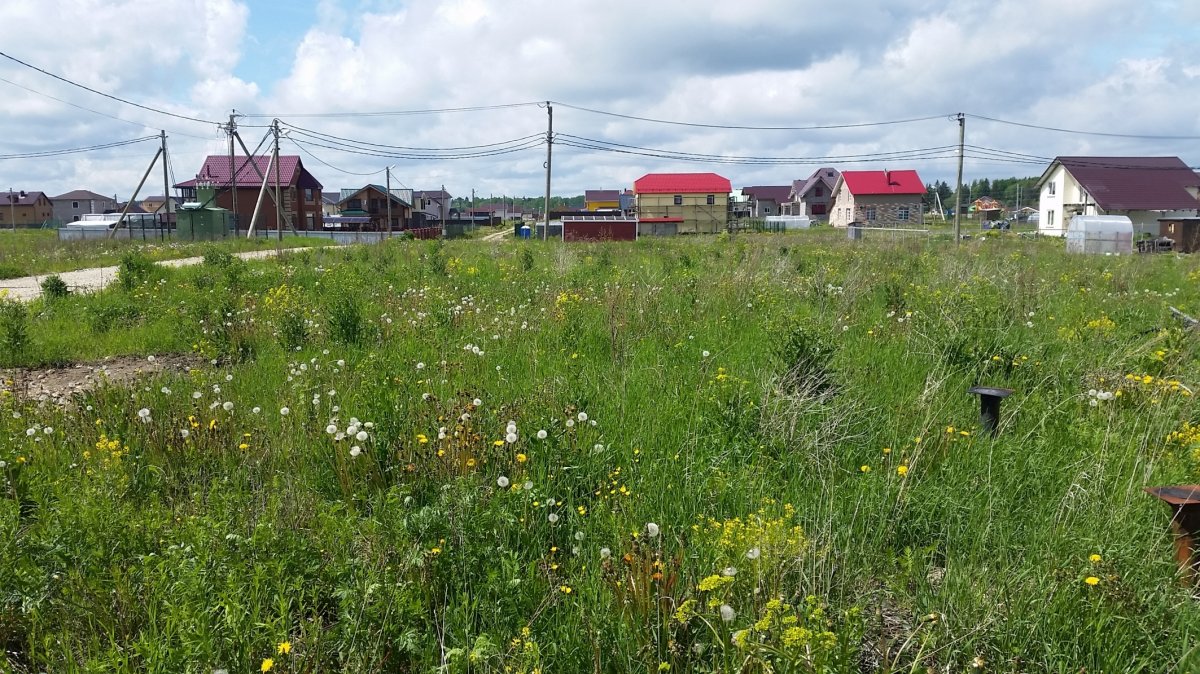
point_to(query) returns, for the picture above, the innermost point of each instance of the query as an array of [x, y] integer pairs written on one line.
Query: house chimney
[[887, 177]]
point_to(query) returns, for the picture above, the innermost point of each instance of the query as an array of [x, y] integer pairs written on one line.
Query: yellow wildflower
[[284, 647], [1092, 580], [267, 664]]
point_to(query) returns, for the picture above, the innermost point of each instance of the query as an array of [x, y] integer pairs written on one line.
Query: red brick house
[[300, 192]]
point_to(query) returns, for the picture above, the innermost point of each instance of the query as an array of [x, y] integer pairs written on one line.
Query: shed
[[1100, 234], [1185, 232], [200, 219]]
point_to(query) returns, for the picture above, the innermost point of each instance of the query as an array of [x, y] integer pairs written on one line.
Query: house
[[329, 202], [811, 197], [877, 199], [371, 202], [25, 209], [73, 205], [431, 205], [602, 200], [987, 208], [300, 192], [155, 204], [1145, 189], [766, 199], [683, 203]]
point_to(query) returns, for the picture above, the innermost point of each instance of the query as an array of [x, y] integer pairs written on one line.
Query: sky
[[1125, 73]]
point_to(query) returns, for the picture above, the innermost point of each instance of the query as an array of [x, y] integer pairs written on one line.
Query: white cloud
[[1090, 64]]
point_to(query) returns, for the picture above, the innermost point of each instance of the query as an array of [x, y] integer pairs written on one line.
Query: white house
[[1142, 188]]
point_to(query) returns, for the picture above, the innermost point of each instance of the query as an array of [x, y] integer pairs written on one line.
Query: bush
[[53, 287]]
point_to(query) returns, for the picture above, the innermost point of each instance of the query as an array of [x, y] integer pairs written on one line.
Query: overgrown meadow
[[754, 454]]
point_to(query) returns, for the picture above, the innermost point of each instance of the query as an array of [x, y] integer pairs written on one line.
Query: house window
[[1050, 217], [1051, 188], [308, 194], [902, 213], [712, 199], [312, 221], [818, 192], [74, 204], [1082, 196], [354, 205], [76, 219], [870, 213], [678, 199]]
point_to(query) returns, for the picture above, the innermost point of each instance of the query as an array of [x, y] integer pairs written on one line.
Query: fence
[[855, 233], [68, 233]]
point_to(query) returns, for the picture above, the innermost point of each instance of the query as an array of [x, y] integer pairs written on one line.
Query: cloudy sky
[[1110, 66]]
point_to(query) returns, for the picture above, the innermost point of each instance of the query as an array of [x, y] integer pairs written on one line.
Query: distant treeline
[[1004, 190]]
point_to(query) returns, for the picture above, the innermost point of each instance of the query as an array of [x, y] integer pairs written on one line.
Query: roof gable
[[15, 198], [777, 193], [825, 175], [682, 183], [217, 170], [882, 182], [1132, 183], [80, 195]]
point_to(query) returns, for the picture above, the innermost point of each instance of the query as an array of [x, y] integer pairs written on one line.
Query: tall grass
[[759, 455]]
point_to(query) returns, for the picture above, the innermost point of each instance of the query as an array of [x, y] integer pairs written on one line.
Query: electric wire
[[101, 93], [1079, 132], [533, 143], [814, 127], [322, 161], [397, 113], [317, 135], [44, 154], [95, 112]]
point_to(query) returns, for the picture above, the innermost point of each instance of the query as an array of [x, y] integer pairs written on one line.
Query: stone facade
[[892, 210]]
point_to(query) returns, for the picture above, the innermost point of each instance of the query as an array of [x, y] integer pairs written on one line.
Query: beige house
[[878, 199], [28, 209], [1144, 189], [682, 203]]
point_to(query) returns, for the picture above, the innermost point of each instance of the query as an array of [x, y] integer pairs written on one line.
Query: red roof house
[[878, 199], [300, 192], [682, 203]]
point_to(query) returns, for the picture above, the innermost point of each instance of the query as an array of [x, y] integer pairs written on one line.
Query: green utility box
[[202, 220]]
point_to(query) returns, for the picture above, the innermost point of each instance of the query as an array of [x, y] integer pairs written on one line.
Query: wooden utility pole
[[278, 206], [133, 198], [262, 176], [962, 134], [262, 192], [549, 156], [232, 129], [166, 186], [442, 203], [389, 200]]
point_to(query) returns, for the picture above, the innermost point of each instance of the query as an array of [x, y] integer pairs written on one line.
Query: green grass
[[125, 546], [29, 252]]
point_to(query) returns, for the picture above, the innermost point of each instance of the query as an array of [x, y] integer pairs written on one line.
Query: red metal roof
[[660, 219], [682, 183], [883, 182], [1133, 183], [216, 170]]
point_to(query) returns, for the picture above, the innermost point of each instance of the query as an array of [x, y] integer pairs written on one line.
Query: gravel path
[[27, 288]]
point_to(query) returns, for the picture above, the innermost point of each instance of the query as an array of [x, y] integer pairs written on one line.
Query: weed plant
[[735, 454]]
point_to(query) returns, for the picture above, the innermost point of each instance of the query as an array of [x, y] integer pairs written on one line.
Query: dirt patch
[[59, 385]]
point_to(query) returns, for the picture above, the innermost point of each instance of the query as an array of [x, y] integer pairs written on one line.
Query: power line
[[339, 170], [517, 146], [42, 154], [350, 141], [95, 112], [397, 113], [817, 127], [608, 146], [1083, 133], [101, 93]]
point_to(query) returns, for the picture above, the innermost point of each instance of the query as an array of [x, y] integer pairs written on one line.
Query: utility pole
[[278, 204], [962, 135], [442, 203], [549, 156], [389, 200], [232, 129], [12, 208], [166, 186]]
